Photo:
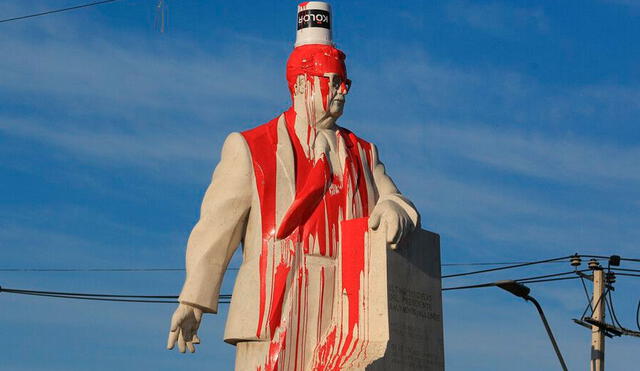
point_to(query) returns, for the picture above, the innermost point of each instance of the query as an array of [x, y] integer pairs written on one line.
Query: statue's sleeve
[[387, 190], [223, 219]]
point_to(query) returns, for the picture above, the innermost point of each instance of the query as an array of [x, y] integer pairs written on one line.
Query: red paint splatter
[[324, 92], [320, 204], [307, 199], [264, 167], [353, 257], [315, 60], [280, 281]]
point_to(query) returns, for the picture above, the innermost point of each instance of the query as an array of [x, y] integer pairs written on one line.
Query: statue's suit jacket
[[231, 214]]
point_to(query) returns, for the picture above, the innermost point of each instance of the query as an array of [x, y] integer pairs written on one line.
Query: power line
[[586, 292], [20, 291], [507, 267], [92, 298], [97, 269], [613, 310], [57, 10], [478, 264], [548, 275], [511, 264], [225, 298], [638, 315], [551, 279], [624, 269], [595, 306], [607, 257], [182, 269], [489, 284], [105, 297], [91, 269], [521, 280], [627, 274]]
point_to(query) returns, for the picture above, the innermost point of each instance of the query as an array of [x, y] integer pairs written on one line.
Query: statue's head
[[316, 73], [317, 76]]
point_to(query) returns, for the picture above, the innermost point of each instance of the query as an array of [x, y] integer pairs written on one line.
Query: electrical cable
[[609, 298], [469, 286], [20, 291], [108, 299], [488, 263], [638, 316], [625, 269], [182, 269], [550, 280], [589, 306], [593, 310], [522, 280], [512, 264], [548, 275], [586, 292], [607, 257], [105, 297], [58, 10], [613, 310], [507, 267], [90, 269], [94, 298], [98, 269], [627, 274]]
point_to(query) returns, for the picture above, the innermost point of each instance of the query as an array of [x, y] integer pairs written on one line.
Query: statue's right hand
[[184, 327]]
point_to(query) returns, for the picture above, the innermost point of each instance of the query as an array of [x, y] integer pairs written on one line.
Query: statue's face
[[334, 94], [324, 97]]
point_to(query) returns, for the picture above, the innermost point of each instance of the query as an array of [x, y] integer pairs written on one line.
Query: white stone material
[[416, 340], [316, 214]]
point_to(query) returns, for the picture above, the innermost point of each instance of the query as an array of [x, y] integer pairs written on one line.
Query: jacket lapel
[[285, 171]]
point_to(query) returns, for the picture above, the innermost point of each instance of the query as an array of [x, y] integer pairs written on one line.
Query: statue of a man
[[281, 190]]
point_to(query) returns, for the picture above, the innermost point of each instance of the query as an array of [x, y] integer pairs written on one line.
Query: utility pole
[[597, 334]]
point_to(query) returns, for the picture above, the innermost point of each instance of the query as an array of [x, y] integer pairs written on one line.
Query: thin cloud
[[108, 76], [113, 105], [499, 19], [565, 160]]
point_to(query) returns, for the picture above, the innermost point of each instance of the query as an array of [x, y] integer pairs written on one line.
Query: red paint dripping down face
[[324, 69]]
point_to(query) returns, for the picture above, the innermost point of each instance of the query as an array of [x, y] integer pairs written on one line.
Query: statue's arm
[[223, 219], [392, 209]]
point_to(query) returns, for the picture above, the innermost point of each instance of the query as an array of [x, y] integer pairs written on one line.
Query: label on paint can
[[314, 18]]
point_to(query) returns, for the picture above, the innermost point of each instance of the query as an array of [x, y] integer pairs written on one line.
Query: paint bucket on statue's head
[[313, 23]]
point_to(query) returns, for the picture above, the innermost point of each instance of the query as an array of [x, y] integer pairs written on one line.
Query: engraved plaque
[[415, 305]]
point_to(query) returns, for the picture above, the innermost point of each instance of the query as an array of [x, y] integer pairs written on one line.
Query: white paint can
[[313, 23]]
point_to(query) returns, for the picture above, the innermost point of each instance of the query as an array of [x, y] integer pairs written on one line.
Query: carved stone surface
[[305, 197], [415, 305]]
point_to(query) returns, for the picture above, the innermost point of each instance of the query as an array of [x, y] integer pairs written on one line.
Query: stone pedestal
[[415, 305]]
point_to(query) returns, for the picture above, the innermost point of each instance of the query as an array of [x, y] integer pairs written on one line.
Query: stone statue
[[283, 191]]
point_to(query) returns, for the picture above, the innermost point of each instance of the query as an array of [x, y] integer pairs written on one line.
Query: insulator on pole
[[593, 264], [611, 277], [576, 260]]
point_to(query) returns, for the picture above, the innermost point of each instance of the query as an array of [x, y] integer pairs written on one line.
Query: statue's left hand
[[394, 220], [184, 327]]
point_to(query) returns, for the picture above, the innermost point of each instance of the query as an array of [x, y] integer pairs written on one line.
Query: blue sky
[[511, 124]]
